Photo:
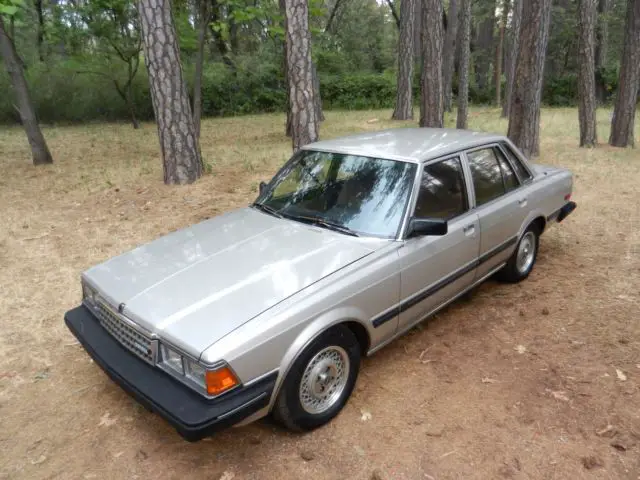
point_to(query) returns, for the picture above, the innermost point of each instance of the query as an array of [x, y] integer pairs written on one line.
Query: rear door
[[436, 268], [500, 201]]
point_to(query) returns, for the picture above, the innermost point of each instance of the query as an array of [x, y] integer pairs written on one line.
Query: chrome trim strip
[[435, 310]]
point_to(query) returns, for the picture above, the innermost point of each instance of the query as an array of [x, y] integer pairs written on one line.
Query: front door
[[436, 268]]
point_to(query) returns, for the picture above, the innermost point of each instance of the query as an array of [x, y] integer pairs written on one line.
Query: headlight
[[171, 359], [195, 372], [88, 293], [214, 381]]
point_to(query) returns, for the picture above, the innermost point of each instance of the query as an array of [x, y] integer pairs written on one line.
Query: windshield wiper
[[321, 222], [267, 209]]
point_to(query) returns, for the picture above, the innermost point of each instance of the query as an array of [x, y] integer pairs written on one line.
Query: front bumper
[[192, 415]]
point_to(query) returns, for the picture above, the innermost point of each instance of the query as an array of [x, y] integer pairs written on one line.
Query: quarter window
[[522, 172], [442, 192], [486, 174], [509, 176]]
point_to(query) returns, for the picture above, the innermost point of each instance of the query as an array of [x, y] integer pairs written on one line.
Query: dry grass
[[535, 415]]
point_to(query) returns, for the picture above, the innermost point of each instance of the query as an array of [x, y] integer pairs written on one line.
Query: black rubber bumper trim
[[191, 414], [562, 213], [566, 211]]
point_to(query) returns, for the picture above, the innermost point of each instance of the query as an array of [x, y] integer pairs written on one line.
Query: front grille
[[130, 338]]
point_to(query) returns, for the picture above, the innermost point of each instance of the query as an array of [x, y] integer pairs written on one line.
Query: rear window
[[520, 169]]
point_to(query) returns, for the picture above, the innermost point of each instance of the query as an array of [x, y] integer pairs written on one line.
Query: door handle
[[469, 230], [522, 202]]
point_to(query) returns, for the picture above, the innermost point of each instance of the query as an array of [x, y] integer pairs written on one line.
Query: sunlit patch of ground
[[519, 379]]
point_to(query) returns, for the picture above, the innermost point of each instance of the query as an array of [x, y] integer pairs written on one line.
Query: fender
[[305, 338], [533, 214]]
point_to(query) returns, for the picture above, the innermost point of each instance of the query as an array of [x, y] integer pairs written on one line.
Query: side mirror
[[262, 187], [427, 226]]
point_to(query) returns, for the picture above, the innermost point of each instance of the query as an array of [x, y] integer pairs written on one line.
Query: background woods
[[81, 56], [79, 61]]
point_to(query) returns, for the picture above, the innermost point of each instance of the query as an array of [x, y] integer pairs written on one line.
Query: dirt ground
[[538, 380]]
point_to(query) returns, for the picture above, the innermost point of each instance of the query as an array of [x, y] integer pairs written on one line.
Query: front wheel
[[521, 263], [320, 381]]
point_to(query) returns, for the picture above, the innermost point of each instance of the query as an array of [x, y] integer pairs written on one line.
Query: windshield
[[364, 195]]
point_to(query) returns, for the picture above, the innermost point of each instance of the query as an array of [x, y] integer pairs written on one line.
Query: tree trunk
[[485, 50], [450, 52], [197, 80], [221, 43], [394, 13], [512, 55], [587, 15], [331, 16], [132, 108], [497, 67], [404, 92], [40, 31], [524, 115], [178, 142], [432, 95], [39, 150], [624, 111], [417, 31], [464, 43], [300, 72], [288, 128], [602, 48], [316, 95]]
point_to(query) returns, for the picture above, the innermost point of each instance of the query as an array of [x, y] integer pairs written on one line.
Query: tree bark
[[197, 80], [624, 111], [602, 48], [524, 115], [39, 150], [512, 55], [417, 31], [464, 44], [404, 92], [178, 142], [300, 72], [316, 95], [432, 94], [497, 67], [587, 15], [450, 52]]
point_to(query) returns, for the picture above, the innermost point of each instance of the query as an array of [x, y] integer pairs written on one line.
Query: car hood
[[195, 285]]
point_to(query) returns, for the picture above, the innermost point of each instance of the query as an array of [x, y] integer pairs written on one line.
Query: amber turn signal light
[[220, 380]]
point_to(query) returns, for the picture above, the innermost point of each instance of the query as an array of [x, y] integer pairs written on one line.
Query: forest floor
[[538, 380]]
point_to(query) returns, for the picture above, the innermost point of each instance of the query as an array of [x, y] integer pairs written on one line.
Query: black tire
[[511, 273], [288, 409]]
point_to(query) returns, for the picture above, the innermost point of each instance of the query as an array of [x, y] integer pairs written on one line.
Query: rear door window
[[486, 174]]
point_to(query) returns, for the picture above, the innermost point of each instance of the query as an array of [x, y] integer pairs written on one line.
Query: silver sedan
[[269, 308]]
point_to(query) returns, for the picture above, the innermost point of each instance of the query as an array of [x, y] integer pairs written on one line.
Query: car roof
[[407, 144]]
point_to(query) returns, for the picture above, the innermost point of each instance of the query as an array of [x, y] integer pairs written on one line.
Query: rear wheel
[[320, 381], [524, 257]]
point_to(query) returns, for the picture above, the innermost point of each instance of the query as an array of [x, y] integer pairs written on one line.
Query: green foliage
[[358, 91], [10, 8]]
